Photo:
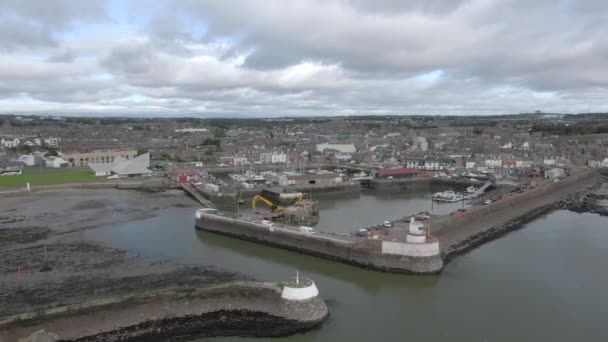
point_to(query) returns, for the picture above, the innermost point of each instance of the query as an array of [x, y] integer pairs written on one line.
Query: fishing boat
[[447, 196]]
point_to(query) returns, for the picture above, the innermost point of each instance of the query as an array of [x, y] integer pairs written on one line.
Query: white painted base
[[304, 293], [415, 238], [411, 249]]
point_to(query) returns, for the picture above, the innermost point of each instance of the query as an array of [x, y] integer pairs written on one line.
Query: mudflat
[[45, 261]]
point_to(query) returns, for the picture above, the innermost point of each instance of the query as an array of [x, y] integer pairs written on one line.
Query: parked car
[[361, 232]]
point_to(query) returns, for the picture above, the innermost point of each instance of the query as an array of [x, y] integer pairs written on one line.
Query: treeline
[[579, 128]]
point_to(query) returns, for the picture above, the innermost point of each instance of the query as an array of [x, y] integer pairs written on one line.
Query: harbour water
[[542, 283]]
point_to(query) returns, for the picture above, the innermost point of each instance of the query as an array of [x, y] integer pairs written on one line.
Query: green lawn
[[40, 176], [588, 137]]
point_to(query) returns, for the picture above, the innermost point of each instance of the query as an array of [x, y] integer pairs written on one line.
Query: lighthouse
[[415, 233]]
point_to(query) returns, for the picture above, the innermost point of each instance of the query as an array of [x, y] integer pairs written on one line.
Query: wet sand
[[45, 261]]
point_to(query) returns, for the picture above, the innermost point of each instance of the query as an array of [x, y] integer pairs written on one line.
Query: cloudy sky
[[303, 57]]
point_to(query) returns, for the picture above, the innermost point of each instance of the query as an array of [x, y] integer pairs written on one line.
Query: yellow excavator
[[272, 205]]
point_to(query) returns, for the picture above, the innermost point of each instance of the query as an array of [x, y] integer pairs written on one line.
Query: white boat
[[471, 189], [259, 178], [447, 196]]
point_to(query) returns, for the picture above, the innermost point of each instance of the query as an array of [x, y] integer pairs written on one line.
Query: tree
[[211, 141], [219, 133], [51, 152]]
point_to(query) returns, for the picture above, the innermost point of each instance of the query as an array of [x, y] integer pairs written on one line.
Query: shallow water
[[544, 282]]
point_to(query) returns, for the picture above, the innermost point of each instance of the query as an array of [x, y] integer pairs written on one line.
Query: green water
[[542, 283]]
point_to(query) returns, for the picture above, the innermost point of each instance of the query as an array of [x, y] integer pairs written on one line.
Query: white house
[[549, 161], [52, 142], [598, 163], [278, 158], [470, 164], [493, 163], [54, 162], [10, 143], [343, 157]]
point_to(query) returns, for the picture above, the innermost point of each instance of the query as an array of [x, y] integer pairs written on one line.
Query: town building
[[420, 143], [342, 157], [493, 163], [344, 148], [55, 162], [52, 142], [397, 173], [31, 160], [313, 179], [278, 158], [122, 167], [184, 176], [10, 143], [598, 163], [81, 159], [555, 173]]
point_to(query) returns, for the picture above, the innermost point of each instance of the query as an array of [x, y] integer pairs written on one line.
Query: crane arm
[[265, 200]]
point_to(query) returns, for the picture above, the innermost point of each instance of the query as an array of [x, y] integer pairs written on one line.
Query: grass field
[[588, 137], [41, 176]]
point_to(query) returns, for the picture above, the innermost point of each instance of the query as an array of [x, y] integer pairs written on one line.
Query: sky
[[275, 58]]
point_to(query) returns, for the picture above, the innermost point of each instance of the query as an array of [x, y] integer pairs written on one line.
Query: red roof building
[[184, 176], [402, 172]]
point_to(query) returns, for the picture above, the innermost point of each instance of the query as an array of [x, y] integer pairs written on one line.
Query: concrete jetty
[[252, 309], [194, 192], [483, 223], [418, 254]]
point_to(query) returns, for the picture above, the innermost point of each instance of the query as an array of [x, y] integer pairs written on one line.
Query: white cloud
[[303, 57]]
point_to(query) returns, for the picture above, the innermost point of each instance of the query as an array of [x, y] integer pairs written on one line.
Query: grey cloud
[[312, 57], [17, 34], [55, 14]]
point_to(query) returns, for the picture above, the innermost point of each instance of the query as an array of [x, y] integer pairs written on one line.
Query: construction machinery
[[273, 207]]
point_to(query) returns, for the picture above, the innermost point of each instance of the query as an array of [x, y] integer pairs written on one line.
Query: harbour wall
[[365, 253], [228, 199], [484, 223], [152, 185], [352, 167], [233, 309], [419, 184]]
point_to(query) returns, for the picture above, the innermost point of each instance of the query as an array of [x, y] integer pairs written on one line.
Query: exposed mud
[[45, 262]]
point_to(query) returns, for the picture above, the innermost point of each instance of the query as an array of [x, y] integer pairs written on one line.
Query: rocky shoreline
[[593, 201], [235, 309]]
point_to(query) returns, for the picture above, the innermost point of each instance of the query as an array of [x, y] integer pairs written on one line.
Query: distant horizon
[[194, 116]]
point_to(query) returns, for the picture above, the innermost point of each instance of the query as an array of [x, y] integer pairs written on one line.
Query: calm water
[[542, 283], [346, 213]]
